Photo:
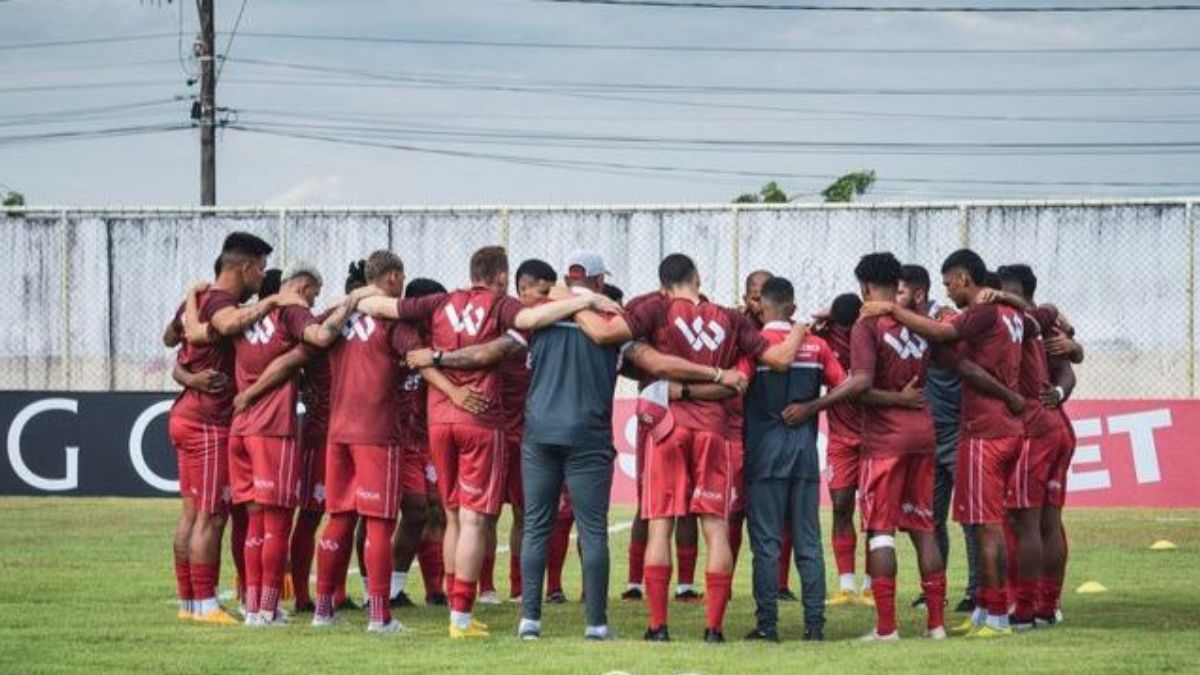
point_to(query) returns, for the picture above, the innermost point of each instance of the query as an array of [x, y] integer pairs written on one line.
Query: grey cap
[[591, 262]]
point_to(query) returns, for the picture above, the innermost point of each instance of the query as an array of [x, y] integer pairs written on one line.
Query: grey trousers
[[769, 505], [588, 474], [943, 491]]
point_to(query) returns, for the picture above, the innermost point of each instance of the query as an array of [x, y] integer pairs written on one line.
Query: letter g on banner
[[137, 453], [70, 481]]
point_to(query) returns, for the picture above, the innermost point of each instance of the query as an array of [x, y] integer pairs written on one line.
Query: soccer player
[[943, 392], [782, 478], [688, 472], [534, 279], [365, 468], [990, 336], [468, 449], [199, 420], [843, 450], [268, 431]]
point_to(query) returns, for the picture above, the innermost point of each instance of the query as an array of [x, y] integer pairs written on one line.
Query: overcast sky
[[599, 126]]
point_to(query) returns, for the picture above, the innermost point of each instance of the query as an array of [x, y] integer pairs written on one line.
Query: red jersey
[[274, 413], [892, 355], [705, 334], [515, 375], [845, 419], [317, 382], [813, 354], [414, 409], [199, 406], [368, 371], [1035, 373], [990, 336], [735, 406], [460, 319]]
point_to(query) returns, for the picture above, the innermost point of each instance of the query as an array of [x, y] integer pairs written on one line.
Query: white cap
[[591, 262]]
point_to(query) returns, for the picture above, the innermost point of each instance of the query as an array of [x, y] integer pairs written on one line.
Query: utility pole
[[208, 106]]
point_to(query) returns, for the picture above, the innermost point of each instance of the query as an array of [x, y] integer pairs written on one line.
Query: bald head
[[753, 296]]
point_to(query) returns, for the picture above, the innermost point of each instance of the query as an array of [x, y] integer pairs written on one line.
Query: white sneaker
[[278, 618], [873, 636], [529, 629], [1058, 616], [489, 598], [241, 610], [391, 627], [254, 620], [324, 621], [516, 599], [938, 633]]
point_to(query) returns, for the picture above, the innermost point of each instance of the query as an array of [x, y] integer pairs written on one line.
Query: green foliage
[[845, 188], [770, 193], [14, 198]]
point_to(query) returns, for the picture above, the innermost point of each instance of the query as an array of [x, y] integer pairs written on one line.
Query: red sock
[[997, 604], [717, 586], [254, 560], [843, 551], [277, 525], [785, 559], [658, 583], [450, 584], [462, 598], [687, 563], [487, 573], [239, 520], [379, 567], [735, 537], [637, 560], [300, 554], [885, 604], [514, 574], [183, 579], [204, 580], [556, 557], [333, 559], [934, 588], [429, 555]]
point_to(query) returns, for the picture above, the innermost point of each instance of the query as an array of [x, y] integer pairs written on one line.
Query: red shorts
[[841, 462], [982, 478], [688, 472], [413, 470], [639, 449], [737, 459], [564, 505], [514, 487], [896, 492], [1036, 466], [241, 471], [202, 454], [471, 463], [276, 464], [1056, 483], [312, 470], [363, 478]]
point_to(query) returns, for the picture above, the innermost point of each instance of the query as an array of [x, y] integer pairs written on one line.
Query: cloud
[[311, 191]]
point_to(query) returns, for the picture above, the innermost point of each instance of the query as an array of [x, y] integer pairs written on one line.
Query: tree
[[844, 188], [14, 198], [770, 193]]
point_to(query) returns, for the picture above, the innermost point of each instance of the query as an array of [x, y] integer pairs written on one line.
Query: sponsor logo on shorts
[[430, 473], [254, 541], [264, 484], [328, 545], [226, 495], [319, 493], [470, 489], [1054, 486], [708, 494], [367, 494], [911, 509]]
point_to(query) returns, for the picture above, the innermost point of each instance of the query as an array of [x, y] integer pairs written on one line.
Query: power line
[[714, 49], [229, 43], [58, 116], [892, 9], [91, 133], [68, 86], [86, 41]]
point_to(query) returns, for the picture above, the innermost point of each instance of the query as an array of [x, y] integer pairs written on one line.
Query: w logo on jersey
[[1016, 327], [469, 322], [907, 345], [358, 327], [699, 337], [261, 332]]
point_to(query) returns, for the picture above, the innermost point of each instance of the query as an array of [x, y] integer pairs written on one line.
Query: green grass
[[86, 585]]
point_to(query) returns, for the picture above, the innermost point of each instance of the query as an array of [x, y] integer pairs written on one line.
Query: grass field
[[86, 585]]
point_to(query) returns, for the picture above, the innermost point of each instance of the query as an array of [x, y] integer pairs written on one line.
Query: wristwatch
[[685, 392], [437, 358]]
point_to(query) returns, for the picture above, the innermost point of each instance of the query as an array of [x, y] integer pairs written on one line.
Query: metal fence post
[[283, 239], [64, 278], [1189, 212], [504, 228], [736, 246], [964, 225]]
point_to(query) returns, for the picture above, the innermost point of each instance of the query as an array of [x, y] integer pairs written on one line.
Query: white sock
[[399, 579], [847, 582], [600, 632], [633, 587], [460, 620], [978, 616], [206, 605], [683, 588], [997, 621], [866, 582]]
